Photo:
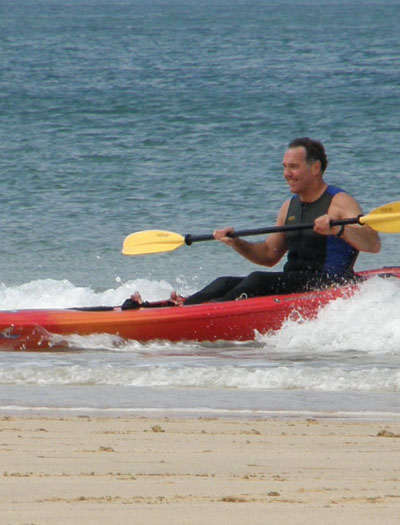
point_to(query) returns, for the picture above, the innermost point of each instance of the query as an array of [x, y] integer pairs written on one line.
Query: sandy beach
[[196, 471]]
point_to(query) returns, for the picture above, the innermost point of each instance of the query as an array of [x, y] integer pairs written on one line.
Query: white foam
[[323, 379], [367, 322], [50, 293]]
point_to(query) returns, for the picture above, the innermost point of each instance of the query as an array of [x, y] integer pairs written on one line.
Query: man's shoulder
[[334, 190], [346, 203]]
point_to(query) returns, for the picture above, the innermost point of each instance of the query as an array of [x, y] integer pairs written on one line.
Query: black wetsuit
[[313, 260]]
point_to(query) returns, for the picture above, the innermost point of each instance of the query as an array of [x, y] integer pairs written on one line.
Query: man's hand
[[222, 235], [323, 227]]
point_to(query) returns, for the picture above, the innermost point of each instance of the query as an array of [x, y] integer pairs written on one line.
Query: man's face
[[297, 172]]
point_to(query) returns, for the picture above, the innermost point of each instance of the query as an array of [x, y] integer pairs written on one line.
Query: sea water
[[128, 115]]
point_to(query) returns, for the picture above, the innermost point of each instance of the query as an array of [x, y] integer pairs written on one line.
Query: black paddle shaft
[[190, 239]]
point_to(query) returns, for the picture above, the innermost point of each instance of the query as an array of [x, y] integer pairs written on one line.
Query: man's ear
[[316, 167]]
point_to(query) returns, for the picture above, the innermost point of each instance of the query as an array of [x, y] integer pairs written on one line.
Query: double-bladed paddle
[[385, 219]]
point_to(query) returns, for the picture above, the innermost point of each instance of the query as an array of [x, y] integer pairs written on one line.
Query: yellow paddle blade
[[151, 241], [385, 219]]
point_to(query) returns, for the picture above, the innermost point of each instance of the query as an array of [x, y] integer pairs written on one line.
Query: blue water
[[128, 115]]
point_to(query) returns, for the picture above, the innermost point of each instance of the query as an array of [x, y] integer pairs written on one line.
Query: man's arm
[[266, 253], [361, 237]]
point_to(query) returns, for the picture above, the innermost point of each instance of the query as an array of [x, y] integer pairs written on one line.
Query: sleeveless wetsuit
[[313, 260], [310, 252]]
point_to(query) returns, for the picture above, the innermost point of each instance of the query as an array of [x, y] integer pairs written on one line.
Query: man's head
[[315, 151], [304, 163]]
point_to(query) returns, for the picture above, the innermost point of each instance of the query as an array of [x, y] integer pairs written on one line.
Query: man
[[317, 257]]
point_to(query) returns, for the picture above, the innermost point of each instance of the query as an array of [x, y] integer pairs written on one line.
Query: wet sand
[[86, 470]]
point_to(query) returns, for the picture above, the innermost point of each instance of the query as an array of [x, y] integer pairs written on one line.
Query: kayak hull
[[229, 321]]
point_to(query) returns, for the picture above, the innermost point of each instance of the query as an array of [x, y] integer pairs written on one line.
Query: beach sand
[[84, 470]]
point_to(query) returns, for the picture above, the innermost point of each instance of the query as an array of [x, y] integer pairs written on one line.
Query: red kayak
[[228, 321]]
